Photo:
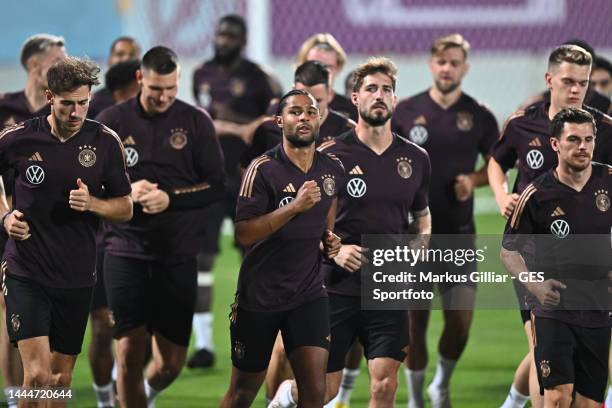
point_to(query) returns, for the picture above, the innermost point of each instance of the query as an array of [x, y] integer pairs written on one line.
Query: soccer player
[[324, 47], [286, 208], [601, 76], [122, 49], [121, 82], [236, 92], [38, 53], [315, 78], [454, 129], [176, 168], [571, 351], [389, 178], [63, 163], [525, 140]]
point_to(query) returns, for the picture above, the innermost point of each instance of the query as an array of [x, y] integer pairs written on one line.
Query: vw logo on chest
[[535, 159], [35, 174], [356, 187], [560, 228], [131, 156]]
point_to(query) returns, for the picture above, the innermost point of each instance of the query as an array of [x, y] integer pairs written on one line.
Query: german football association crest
[[87, 155], [178, 138], [602, 200], [404, 168], [418, 134], [204, 95], [237, 87], [465, 121], [238, 350], [545, 368], [329, 184], [15, 322]]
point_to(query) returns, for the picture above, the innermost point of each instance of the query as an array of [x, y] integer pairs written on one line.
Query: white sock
[[8, 391], [104, 395], [444, 370], [346, 386], [151, 394], [202, 327], [515, 399], [415, 380], [332, 403], [609, 397], [114, 372], [283, 395]]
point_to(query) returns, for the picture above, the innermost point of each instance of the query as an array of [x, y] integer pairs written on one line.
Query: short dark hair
[[571, 54], [121, 75], [160, 59], [312, 73], [125, 38], [602, 63], [234, 19], [374, 65], [283, 100], [38, 44], [570, 115], [70, 73]]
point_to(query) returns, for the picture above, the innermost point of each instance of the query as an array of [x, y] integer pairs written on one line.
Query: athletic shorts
[[34, 310], [253, 333], [99, 300], [568, 354], [159, 295], [383, 333]]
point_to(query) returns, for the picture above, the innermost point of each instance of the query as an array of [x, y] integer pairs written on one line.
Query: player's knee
[[171, 369], [558, 397], [314, 395], [61, 379], [37, 377], [383, 388], [241, 397]]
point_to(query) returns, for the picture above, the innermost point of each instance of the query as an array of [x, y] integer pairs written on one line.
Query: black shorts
[[99, 300], [521, 297], [383, 333], [570, 354], [253, 333], [34, 310], [159, 295], [214, 215]]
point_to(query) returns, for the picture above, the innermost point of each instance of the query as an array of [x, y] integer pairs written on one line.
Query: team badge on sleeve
[[329, 184], [178, 138], [602, 200], [465, 121], [87, 155], [404, 168]]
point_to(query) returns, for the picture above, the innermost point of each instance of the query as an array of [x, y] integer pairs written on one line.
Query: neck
[[444, 99], [35, 96], [575, 179], [377, 138], [302, 157], [56, 131], [229, 64]]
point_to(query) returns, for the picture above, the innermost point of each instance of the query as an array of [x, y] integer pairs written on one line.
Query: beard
[[298, 142], [446, 89], [375, 119], [226, 56]]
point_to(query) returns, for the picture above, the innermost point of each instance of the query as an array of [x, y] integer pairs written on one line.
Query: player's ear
[[554, 143], [49, 96], [548, 80], [354, 98], [139, 76], [279, 121]]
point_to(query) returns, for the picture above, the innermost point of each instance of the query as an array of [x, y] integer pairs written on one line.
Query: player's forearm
[[480, 178], [513, 262], [199, 196], [4, 205], [248, 232], [112, 209], [422, 224], [497, 178]]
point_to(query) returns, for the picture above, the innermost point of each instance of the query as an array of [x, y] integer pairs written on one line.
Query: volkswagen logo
[[418, 134], [535, 159], [285, 201], [131, 156], [356, 187], [35, 174], [560, 228]]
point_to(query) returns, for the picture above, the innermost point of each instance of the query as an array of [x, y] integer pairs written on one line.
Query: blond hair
[[323, 41], [455, 40]]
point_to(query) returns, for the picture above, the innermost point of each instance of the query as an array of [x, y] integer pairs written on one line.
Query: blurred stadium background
[[510, 41]]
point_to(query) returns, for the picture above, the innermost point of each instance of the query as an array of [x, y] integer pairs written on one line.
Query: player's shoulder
[[412, 101], [343, 119], [106, 133], [340, 141], [331, 159], [601, 118], [602, 170], [20, 128], [9, 98], [476, 105], [409, 146]]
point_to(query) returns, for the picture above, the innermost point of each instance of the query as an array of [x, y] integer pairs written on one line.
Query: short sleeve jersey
[[179, 151], [380, 192], [100, 100], [61, 250], [525, 140], [282, 271], [344, 106], [453, 138], [550, 208]]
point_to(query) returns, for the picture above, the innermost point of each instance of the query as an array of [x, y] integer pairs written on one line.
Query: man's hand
[[464, 186], [15, 227], [307, 196], [506, 203], [332, 244], [351, 257], [79, 199], [140, 188], [155, 201], [547, 292]]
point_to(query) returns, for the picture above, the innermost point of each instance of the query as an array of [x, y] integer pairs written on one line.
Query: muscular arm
[[255, 229], [499, 185], [479, 177], [112, 209]]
